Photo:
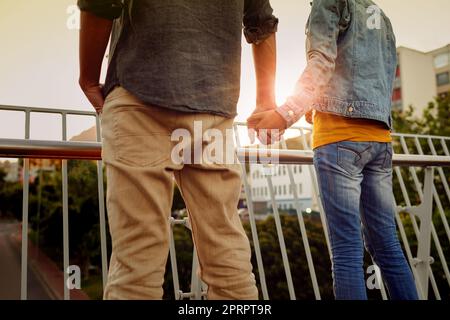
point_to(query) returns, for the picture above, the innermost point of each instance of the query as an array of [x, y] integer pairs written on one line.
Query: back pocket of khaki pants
[[143, 150]]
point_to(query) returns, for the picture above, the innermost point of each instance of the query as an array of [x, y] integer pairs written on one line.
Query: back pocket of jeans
[[387, 165], [348, 159]]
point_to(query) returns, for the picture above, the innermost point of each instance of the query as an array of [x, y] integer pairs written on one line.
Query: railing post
[[25, 196], [425, 212], [101, 209], [279, 229], [196, 282], [65, 208], [173, 259], [24, 262], [253, 228]]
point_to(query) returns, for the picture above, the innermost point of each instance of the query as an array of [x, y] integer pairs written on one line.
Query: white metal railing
[[64, 113], [413, 156]]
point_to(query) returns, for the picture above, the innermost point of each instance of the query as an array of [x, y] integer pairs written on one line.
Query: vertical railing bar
[[419, 190], [25, 211], [443, 218], [419, 186], [24, 265], [435, 193], [381, 283], [196, 283], [173, 261], [65, 213], [412, 216], [284, 256], [441, 211], [409, 253], [445, 148], [415, 228], [403, 233], [440, 253], [412, 170], [317, 196], [434, 285], [441, 171], [303, 232], [101, 208], [254, 230]]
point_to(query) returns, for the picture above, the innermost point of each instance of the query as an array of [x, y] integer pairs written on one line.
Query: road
[[10, 268]]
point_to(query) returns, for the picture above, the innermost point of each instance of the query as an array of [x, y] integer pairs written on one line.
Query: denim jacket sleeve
[[259, 21], [327, 19], [107, 9]]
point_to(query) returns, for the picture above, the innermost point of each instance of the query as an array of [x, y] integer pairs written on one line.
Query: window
[[295, 169], [299, 169], [284, 189], [443, 78], [441, 60], [397, 94], [300, 189]]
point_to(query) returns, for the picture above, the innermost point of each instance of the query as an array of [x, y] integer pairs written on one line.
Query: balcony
[[422, 199]]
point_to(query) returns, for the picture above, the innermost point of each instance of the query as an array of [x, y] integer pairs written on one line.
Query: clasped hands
[[267, 124]]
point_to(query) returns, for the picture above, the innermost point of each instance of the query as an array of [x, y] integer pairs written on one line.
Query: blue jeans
[[355, 182]]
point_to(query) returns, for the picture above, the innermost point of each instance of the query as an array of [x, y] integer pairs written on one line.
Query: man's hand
[[94, 37], [269, 126], [94, 94]]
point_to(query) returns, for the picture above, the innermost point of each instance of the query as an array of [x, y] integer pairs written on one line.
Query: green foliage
[[10, 197], [273, 264], [2, 176], [436, 119]]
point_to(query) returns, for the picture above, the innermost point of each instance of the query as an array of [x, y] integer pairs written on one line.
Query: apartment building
[[420, 77], [283, 189]]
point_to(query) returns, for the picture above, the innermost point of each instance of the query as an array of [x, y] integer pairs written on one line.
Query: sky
[[39, 56]]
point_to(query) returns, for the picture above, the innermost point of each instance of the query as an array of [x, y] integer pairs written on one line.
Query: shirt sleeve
[[107, 9], [327, 19], [259, 21]]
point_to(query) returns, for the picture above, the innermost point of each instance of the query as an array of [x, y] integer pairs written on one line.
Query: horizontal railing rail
[[47, 149]]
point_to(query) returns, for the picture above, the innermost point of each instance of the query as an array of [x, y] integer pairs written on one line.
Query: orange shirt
[[330, 128]]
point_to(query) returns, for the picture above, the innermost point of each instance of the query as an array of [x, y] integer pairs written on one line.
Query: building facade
[[420, 77], [283, 189]]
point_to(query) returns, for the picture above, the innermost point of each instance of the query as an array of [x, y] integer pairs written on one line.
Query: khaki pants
[[137, 150]]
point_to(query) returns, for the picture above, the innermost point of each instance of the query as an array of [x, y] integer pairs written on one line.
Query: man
[[348, 81], [173, 63]]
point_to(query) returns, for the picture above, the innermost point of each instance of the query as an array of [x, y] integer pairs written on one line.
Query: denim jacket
[[352, 59]]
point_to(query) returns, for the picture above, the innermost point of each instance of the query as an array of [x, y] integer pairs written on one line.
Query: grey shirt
[[182, 54]]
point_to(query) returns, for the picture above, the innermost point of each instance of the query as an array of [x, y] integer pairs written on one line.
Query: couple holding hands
[[174, 62]]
